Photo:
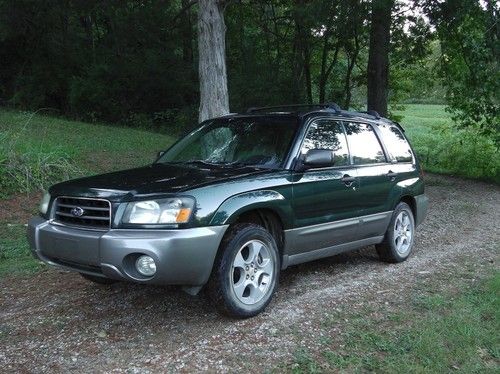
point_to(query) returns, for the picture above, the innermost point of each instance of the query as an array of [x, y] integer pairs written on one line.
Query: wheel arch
[[410, 200], [266, 208]]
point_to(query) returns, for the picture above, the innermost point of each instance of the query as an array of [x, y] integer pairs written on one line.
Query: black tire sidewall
[[223, 274]]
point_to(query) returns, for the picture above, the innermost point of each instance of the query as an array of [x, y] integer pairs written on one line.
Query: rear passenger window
[[327, 134], [396, 144], [363, 144]]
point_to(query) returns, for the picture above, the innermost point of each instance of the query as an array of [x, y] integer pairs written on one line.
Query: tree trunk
[[214, 100], [326, 70], [301, 73], [378, 56]]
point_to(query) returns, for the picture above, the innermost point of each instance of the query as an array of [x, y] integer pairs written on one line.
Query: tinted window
[[396, 144], [363, 144], [327, 134]]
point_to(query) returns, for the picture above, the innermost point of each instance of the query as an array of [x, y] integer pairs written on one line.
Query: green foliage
[[469, 34], [129, 61], [443, 149], [96, 60], [435, 334]]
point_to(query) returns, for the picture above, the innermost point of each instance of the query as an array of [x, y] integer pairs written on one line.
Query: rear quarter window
[[397, 146]]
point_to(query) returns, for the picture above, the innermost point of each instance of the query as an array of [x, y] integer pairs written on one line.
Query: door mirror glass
[[318, 158], [159, 154]]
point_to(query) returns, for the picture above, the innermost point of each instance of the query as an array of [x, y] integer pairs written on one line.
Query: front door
[[325, 199]]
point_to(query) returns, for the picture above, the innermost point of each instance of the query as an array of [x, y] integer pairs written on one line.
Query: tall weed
[[25, 171]]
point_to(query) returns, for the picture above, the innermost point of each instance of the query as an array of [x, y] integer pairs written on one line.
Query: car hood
[[153, 180]]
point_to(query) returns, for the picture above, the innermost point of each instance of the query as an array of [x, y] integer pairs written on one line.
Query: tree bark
[[214, 99], [301, 73], [378, 56], [326, 70]]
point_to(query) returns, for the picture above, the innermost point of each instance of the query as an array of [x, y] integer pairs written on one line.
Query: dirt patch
[[19, 208], [57, 321]]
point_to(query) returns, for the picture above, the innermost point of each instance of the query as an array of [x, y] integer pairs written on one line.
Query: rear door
[[325, 200], [399, 153]]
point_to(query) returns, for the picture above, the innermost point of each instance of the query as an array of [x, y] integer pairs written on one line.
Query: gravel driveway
[[56, 321]]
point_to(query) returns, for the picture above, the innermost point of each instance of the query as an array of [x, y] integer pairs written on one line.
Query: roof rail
[[372, 113], [333, 106]]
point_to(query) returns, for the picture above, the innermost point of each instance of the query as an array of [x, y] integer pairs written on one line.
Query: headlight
[[44, 204], [164, 211]]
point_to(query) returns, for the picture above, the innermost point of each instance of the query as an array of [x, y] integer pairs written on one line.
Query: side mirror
[[317, 158], [159, 154]]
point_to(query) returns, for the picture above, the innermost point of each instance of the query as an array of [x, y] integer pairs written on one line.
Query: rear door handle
[[348, 180], [391, 175]]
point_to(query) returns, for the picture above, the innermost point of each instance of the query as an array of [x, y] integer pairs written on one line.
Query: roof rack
[[373, 113], [333, 106]]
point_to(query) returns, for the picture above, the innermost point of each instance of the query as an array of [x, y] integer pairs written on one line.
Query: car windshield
[[258, 141]]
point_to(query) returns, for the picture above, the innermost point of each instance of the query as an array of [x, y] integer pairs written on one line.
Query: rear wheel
[[98, 280], [246, 271], [399, 238]]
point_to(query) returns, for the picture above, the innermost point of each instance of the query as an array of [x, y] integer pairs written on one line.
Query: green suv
[[239, 199]]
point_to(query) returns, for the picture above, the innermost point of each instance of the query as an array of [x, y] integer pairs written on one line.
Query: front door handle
[[391, 175], [348, 180]]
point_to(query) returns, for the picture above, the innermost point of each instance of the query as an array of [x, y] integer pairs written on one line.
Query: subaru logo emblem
[[77, 211]]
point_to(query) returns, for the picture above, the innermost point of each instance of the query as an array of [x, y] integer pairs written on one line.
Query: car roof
[[303, 110]]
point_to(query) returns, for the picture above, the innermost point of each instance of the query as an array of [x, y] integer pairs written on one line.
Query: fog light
[[145, 265]]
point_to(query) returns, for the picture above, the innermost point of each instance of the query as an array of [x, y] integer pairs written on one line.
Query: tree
[[378, 56], [469, 65], [214, 98]]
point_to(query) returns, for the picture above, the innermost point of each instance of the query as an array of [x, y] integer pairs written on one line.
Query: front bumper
[[183, 257]]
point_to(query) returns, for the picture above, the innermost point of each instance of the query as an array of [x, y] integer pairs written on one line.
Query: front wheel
[[399, 238], [246, 271]]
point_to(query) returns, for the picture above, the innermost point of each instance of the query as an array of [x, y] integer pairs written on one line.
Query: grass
[[437, 333], [15, 256], [29, 142], [444, 149]]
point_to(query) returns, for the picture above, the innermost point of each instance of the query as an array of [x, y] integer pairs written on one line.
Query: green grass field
[[92, 145]]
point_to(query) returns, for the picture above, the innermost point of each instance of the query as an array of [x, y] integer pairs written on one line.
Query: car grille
[[84, 212]]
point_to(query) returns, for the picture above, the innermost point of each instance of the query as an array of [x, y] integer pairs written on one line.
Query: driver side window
[[327, 134]]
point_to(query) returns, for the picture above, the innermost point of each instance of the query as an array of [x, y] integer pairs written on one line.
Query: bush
[[461, 152]]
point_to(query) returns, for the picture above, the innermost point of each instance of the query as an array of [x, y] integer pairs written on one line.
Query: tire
[[246, 271], [98, 280], [399, 237]]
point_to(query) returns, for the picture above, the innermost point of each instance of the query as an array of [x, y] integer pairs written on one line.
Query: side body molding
[[260, 199]]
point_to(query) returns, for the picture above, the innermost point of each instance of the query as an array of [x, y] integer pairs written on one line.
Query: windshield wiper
[[202, 162], [237, 164]]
